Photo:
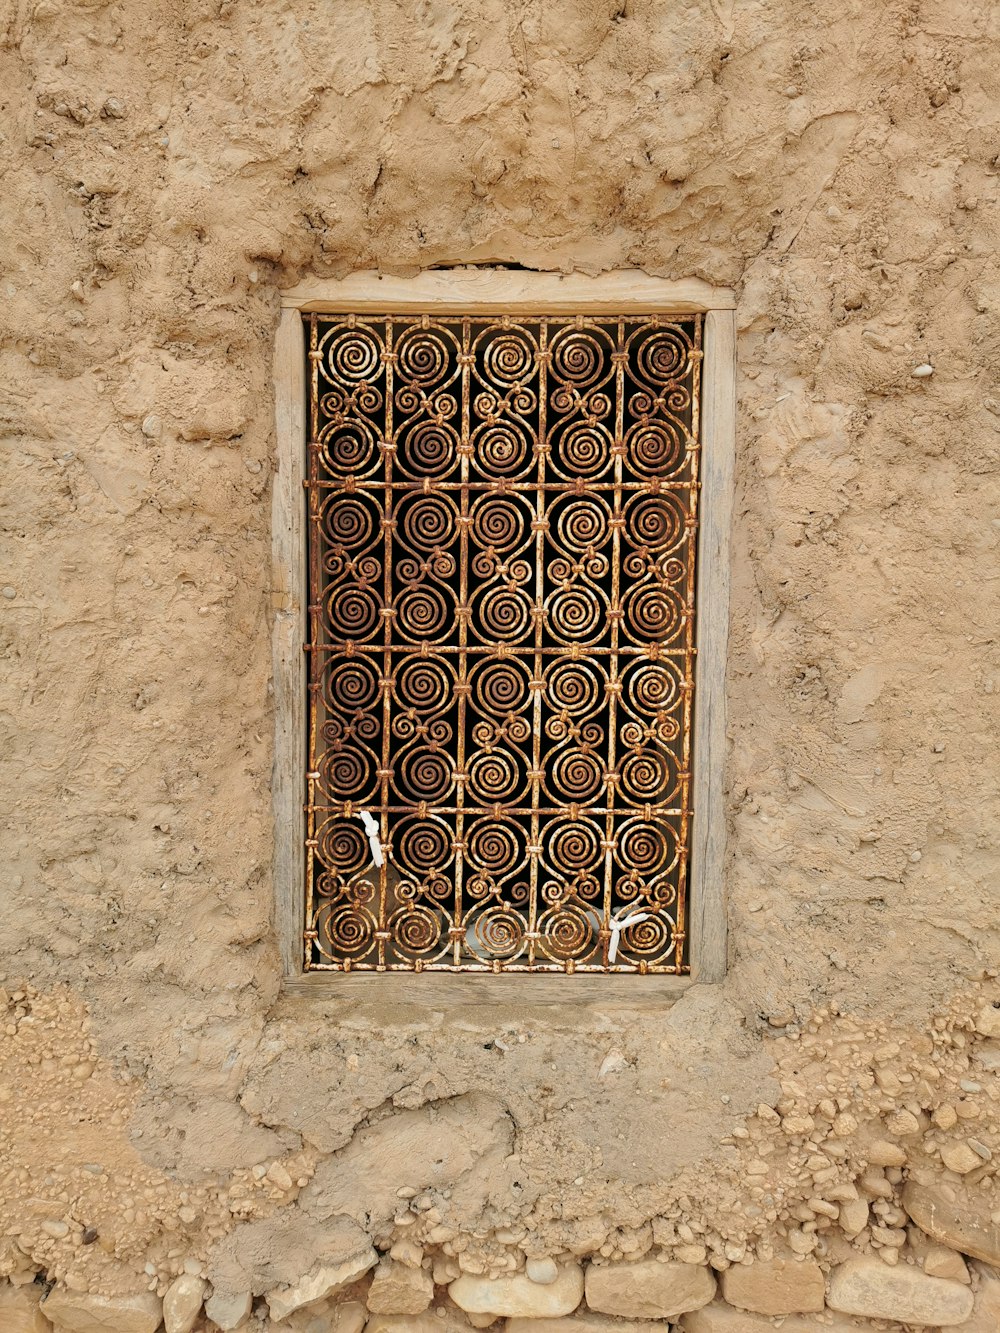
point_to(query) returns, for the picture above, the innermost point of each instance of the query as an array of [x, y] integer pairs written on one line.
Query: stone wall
[[865, 1190], [174, 1127]]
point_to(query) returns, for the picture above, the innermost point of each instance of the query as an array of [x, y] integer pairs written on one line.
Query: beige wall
[[168, 170]]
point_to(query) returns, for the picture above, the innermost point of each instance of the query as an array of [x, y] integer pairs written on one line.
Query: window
[[503, 762]]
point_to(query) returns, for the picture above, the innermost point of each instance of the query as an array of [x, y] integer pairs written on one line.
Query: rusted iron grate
[[502, 520]]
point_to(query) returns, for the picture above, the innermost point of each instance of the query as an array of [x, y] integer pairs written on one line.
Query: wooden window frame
[[483, 291]]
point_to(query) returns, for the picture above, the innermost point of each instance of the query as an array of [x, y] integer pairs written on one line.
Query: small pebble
[[279, 1176], [542, 1271], [960, 1158], [922, 372], [614, 1062]]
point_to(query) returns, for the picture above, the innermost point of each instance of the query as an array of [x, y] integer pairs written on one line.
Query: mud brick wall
[[816, 1137]]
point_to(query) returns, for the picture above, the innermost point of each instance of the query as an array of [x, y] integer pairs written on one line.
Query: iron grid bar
[[501, 529]]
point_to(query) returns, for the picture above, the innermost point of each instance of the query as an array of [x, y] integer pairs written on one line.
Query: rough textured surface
[[88, 1312], [340, 1317], [986, 1309], [447, 1322], [182, 1303], [937, 1260], [867, 1287], [518, 1295], [283, 1250], [957, 1217], [397, 1289], [719, 1318], [775, 1286], [453, 1146], [321, 1281], [168, 169], [583, 1323], [20, 1310], [648, 1289], [228, 1310]]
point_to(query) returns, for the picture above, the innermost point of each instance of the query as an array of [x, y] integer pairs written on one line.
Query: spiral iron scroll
[[502, 526]]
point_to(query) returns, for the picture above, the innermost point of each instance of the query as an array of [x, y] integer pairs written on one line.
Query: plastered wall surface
[[168, 170]]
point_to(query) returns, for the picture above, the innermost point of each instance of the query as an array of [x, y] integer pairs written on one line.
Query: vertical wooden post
[[708, 852], [288, 592]]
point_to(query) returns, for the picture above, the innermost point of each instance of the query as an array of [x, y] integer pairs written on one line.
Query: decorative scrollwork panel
[[502, 519]]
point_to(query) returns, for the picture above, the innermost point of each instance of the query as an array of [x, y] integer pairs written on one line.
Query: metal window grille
[[501, 547]]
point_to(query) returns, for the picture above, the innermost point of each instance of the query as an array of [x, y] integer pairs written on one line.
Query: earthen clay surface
[[168, 171]]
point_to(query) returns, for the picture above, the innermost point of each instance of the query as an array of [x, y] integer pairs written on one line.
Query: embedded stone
[[853, 1216], [398, 1289], [775, 1286], [346, 1317], [986, 1302], [691, 1254], [229, 1309], [955, 1216], [83, 1312], [448, 1321], [19, 1309], [321, 1281], [583, 1323], [720, 1318], [542, 1270], [988, 1020], [945, 1117], [518, 1296], [182, 1303], [874, 1290], [277, 1175], [648, 1289], [939, 1261], [445, 1269], [884, 1153], [904, 1123], [286, 1251], [960, 1158]]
